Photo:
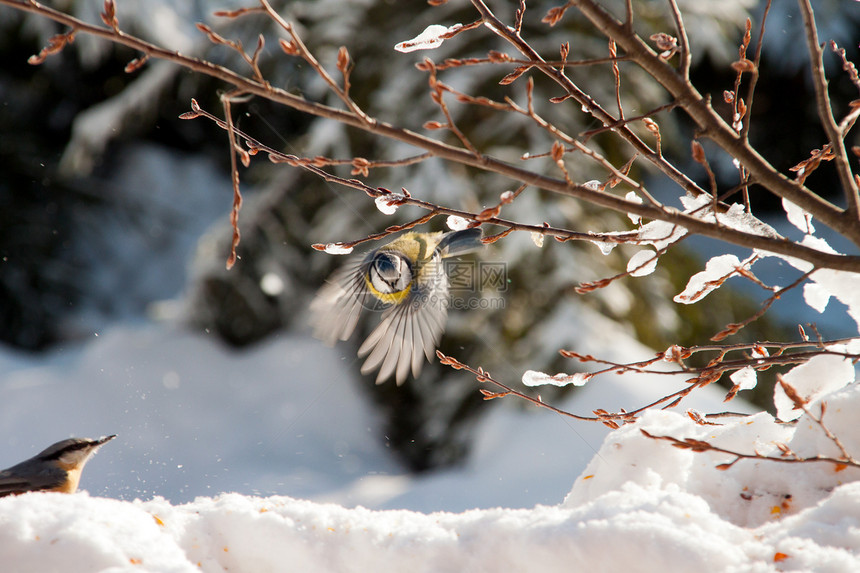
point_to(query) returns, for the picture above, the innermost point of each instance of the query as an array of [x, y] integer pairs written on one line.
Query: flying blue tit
[[406, 281]]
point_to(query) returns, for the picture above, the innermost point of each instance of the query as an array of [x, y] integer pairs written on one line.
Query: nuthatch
[[56, 468]]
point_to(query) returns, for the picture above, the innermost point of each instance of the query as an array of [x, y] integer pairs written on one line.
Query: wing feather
[[409, 331], [337, 307], [11, 484]]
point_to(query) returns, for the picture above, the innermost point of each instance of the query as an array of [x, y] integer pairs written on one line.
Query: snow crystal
[[537, 239], [429, 39], [272, 284]]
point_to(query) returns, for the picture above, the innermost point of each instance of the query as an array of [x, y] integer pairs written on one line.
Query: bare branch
[[681, 30], [703, 446], [825, 113], [234, 176], [304, 53], [459, 155], [584, 99], [713, 126]]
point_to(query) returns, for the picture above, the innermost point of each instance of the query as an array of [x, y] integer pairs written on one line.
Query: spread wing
[[336, 308], [410, 331]]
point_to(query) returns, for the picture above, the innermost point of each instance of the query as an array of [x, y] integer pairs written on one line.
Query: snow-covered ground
[[269, 460]]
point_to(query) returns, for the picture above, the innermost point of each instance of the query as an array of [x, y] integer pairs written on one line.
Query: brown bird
[[56, 468]]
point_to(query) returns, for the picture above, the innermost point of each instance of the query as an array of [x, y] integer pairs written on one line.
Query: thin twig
[[703, 446], [234, 176], [306, 54], [714, 127], [734, 327], [499, 28], [500, 58], [825, 112], [685, 55], [754, 78]]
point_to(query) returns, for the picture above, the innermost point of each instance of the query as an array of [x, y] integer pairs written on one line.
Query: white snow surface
[[271, 460]]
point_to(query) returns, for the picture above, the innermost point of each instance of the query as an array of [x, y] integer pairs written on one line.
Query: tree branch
[[825, 113], [459, 155], [713, 126]]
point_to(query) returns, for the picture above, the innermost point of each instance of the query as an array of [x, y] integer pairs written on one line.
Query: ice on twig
[[642, 263], [604, 246], [736, 217], [337, 249], [745, 378], [634, 198], [389, 203], [821, 375], [798, 217], [430, 39], [534, 378], [660, 234], [537, 238], [716, 271], [457, 223]]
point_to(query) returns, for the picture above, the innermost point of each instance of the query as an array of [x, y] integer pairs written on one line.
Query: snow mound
[[668, 508]]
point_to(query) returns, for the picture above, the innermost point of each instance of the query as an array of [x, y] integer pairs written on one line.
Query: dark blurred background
[[113, 209]]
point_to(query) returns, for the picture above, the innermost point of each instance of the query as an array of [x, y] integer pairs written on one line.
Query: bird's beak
[[105, 439]]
